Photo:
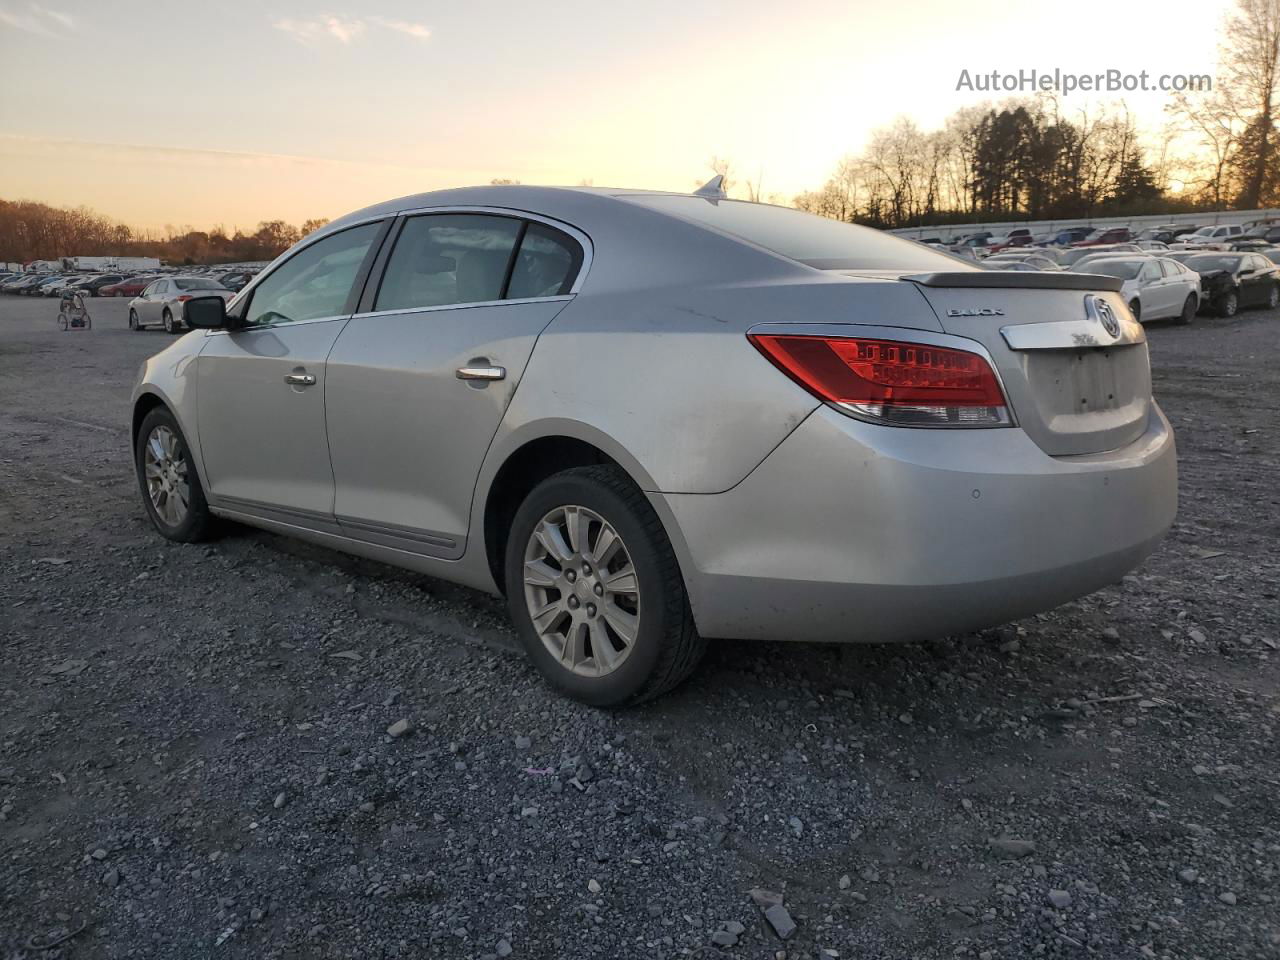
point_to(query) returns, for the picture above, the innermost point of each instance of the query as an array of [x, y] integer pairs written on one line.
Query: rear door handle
[[482, 373], [300, 379]]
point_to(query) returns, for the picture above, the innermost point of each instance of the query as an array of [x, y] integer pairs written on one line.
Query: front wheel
[[1189, 308], [169, 325], [1229, 305], [134, 325], [1273, 297], [63, 321], [595, 590], [168, 480]]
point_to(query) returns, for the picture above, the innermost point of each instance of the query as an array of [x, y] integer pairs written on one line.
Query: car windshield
[[1204, 232], [1205, 264], [814, 241], [1124, 269], [197, 283]]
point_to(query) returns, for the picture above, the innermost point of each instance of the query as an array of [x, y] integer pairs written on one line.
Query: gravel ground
[[195, 757]]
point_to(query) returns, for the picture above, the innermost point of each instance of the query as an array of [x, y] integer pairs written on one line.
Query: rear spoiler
[[1016, 279]]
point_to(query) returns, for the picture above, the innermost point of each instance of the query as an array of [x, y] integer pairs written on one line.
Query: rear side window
[[814, 241], [441, 259], [315, 282], [547, 263]]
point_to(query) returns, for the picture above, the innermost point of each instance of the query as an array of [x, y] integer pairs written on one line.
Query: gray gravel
[[257, 748]]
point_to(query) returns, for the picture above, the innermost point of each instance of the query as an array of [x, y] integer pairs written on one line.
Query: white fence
[[1203, 219]]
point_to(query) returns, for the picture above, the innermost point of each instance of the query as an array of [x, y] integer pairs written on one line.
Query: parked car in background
[[129, 287], [1069, 236], [996, 244], [1231, 281], [1105, 235], [1213, 238], [15, 284], [95, 284], [1069, 258], [1155, 288], [1267, 233], [1271, 253], [362, 393], [161, 301], [237, 281], [1034, 259], [52, 287], [1153, 246], [58, 284]]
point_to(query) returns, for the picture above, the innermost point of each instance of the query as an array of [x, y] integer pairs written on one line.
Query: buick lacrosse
[[649, 419]]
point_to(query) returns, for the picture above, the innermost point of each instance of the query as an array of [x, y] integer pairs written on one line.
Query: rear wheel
[[1229, 305], [1189, 308], [168, 480], [595, 590], [1136, 309], [169, 325]]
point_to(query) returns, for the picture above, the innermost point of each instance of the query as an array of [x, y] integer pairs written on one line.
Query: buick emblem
[[1107, 317]]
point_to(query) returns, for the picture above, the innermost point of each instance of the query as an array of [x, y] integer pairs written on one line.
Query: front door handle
[[482, 373], [300, 379]]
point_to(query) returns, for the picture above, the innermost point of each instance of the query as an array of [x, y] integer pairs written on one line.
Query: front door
[[260, 387], [418, 384]]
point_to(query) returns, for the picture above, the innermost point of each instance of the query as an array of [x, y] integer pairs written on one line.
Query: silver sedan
[[651, 418], [161, 301]]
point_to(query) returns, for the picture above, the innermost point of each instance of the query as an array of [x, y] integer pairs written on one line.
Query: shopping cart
[[72, 314]]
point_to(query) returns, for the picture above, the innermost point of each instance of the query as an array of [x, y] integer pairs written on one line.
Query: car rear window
[[814, 241]]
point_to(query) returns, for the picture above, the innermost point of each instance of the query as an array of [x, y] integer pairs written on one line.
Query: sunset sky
[[183, 114]]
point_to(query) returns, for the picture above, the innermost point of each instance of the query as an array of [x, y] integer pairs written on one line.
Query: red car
[[1109, 235], [125, 288]]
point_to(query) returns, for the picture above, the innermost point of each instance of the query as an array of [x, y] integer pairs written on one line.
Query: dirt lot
[[193, 757]]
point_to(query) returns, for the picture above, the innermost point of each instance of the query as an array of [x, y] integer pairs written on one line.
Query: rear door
[[419, 381], [260, 387]]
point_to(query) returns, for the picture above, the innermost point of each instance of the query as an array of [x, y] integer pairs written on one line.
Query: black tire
[[198, 524], [667, 647], [134, 325], [1136, 309], [1189, 308], [1229, 305], [169, 325]]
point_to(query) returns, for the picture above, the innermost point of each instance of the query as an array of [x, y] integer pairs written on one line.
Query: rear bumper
[[861, 533]]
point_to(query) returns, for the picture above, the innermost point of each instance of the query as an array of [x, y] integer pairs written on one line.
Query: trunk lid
[[1078, 379]]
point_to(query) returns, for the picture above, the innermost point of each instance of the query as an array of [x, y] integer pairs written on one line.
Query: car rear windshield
[[814, 241], [183, 284], [1124, 269], [1209, 264]]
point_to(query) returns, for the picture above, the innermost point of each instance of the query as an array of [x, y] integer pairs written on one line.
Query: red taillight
[[908, 384], [184, 298]]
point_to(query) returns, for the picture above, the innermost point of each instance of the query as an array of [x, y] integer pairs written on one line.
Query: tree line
[[1030, 160], [37, 231]]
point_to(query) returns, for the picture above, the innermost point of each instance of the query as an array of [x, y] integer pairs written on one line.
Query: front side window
[[443, 259], [315, 282], [547, 264]]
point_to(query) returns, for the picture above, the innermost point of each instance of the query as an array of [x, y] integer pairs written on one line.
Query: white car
[[1155, 288], [1153, 246], [161, 301], [1211, 238]]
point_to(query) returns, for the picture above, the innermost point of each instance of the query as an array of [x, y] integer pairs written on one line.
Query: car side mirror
[[205, 313]]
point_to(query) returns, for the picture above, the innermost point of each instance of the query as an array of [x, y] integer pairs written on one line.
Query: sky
[[180, 114]]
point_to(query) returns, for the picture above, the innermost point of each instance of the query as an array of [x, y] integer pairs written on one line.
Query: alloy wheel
[[582, 591], [165, 470], [1273, 298]]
